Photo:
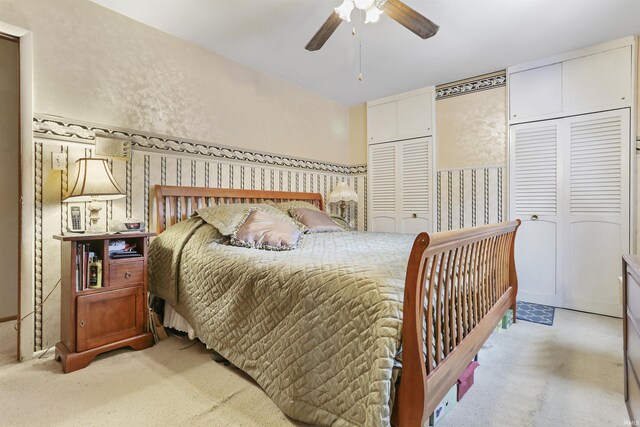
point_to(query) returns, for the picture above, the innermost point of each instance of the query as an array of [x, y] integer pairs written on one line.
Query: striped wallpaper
[[469, 197]]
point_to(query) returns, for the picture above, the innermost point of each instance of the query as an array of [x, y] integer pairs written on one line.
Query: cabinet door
[[109, 316], [382, 187], [415, 165], [382, 122], [535, 92], [534, 157], [414, 116], [596, 210], [597, 82]]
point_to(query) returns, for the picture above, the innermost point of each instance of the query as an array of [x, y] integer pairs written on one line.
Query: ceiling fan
[[395, 9]]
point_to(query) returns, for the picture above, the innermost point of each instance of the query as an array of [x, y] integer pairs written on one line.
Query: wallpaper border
[[58, 127], [475, 84]]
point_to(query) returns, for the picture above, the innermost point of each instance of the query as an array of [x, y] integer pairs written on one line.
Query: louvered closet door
[[414, 163], [596, 210], [382, 187], [535, 198]]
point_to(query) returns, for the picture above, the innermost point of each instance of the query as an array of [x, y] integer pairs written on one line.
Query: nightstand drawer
[[109, 316], [126, 273]]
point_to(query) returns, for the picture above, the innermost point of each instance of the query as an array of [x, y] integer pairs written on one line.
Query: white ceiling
[[475, 37]]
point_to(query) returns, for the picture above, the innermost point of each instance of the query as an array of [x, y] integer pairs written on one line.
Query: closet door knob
[[534, 217], [415, 215], [82, 323]]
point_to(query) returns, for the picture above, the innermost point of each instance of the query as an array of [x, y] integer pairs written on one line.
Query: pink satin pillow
[[261, 230], [316, 221]]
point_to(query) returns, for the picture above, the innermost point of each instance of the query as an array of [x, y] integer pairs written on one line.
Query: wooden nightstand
[[96, 320]]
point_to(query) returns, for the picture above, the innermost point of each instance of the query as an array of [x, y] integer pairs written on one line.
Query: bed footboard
[[459, 284]]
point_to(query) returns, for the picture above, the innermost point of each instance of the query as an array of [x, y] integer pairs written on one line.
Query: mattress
[[318, 328]]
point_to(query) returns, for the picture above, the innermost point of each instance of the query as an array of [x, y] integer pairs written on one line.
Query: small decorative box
[[444, 406]]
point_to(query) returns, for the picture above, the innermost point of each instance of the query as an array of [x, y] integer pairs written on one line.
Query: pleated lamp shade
[[342, 192], [94, 181]]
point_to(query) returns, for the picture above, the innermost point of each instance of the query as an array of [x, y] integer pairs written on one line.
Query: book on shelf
[[86, 260]]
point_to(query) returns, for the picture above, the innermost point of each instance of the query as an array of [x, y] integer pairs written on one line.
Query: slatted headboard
[[174, 204]]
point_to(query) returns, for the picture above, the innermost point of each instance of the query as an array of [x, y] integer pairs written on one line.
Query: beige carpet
[[531, 375], [8, 343]]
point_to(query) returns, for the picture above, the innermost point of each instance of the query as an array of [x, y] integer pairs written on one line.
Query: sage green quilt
[[317, 327]]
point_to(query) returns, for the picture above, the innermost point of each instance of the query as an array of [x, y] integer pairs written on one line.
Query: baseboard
[[38, 354]]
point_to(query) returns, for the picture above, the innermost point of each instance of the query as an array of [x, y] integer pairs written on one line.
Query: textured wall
[[95, 65], [472, 129]]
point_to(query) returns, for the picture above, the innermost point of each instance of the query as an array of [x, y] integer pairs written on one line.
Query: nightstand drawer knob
[[82, 323], [127, 275]]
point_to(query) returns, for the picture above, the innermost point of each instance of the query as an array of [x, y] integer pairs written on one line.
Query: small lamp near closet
[[94, 183], [343, 194]]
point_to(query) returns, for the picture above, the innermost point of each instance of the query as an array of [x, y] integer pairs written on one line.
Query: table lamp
[[94, 183], [342, 194]]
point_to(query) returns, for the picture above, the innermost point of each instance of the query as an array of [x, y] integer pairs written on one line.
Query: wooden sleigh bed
[[458, 283]]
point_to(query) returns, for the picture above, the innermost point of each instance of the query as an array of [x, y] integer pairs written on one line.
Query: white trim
[[12, 30], [633, 161], [26, 327], [434, 165], [27, 247], [468, 168]]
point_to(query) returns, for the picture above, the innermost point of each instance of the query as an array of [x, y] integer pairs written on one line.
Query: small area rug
[[535, 313]]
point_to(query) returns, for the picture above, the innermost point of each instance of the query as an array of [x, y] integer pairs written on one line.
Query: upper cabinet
[[404, 116], [536, 92], [594, 79], [599, 80], [382, 122]]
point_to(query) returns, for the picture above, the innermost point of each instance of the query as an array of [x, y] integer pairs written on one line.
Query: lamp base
[[343, 209], [94, 217]]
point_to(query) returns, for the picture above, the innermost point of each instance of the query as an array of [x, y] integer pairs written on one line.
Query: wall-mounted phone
[[76, 220]]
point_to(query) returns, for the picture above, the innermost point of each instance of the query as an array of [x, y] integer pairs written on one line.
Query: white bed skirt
[[173, 320]]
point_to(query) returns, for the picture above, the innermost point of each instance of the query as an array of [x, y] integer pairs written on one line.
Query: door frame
[[26, 249]]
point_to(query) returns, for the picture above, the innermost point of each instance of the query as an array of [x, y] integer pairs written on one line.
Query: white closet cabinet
[[596, 210], [400, 186], [598, 81], [570, 187], [536, 92], [382, 122], [536, 199], [403, 116], [590, 80]]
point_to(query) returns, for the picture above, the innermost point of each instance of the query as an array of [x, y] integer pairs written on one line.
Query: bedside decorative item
[[94, 183], [126, 225], [343, 194]]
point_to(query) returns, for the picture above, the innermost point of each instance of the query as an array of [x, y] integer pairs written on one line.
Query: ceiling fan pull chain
[[360, 48]]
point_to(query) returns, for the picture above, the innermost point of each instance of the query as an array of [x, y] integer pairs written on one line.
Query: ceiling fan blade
[[323, 34], [410, 19]]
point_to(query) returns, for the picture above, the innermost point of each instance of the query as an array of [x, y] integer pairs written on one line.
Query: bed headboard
[[174, 204]]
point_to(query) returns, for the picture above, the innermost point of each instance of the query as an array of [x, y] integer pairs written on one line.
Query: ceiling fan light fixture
[[345, 9], [373, 15], [363, 4]]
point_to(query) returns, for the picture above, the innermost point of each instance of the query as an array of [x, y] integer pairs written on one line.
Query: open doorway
[[9, 195]]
